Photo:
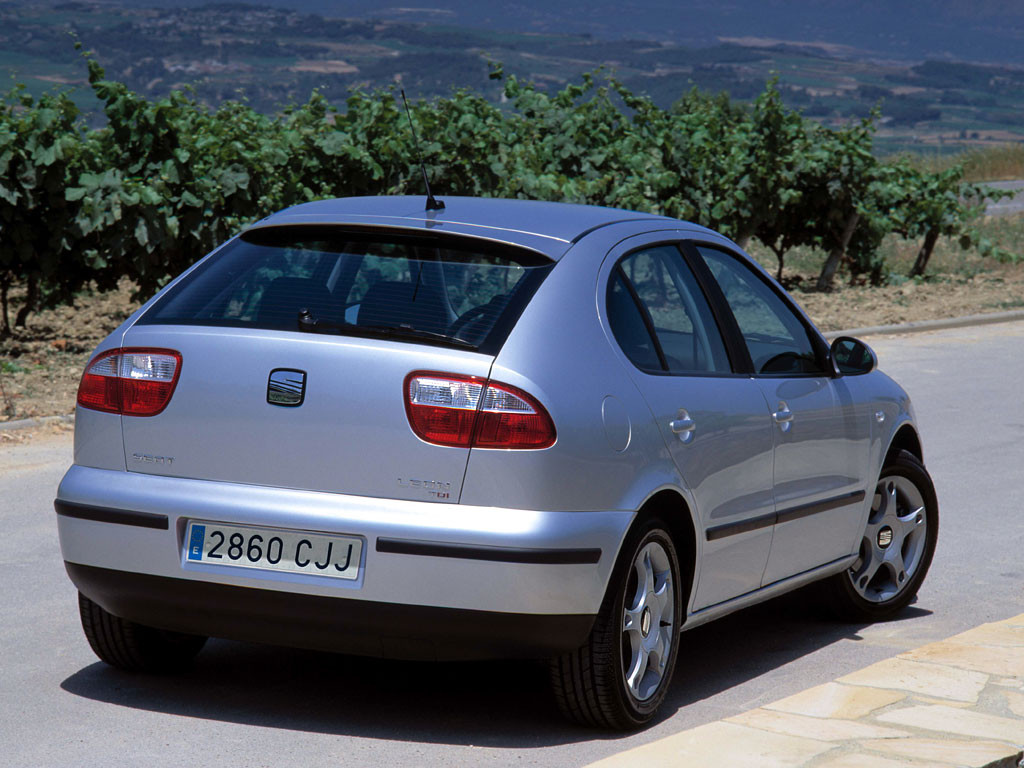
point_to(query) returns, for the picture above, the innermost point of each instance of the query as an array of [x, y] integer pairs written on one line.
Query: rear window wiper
[[408, 332], [311, 324]]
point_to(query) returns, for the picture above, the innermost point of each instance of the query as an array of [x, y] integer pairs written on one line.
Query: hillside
[[965, 30], [275, 56]]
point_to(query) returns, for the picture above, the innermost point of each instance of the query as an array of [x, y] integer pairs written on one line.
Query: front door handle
[[683, 426], [783, 416]]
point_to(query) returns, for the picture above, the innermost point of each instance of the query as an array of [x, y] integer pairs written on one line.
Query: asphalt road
[[247, 705], [1008, 206]]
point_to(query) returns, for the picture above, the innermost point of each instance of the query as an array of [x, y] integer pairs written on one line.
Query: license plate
[[269, 549]]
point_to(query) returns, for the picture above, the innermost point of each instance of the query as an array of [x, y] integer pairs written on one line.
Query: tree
[[41, 146], [164, 182], [842, 171]]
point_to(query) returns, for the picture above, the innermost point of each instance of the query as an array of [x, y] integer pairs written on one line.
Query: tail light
[[471, 412], [132, 381]]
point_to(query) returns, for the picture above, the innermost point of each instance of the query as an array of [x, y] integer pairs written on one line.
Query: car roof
[[550, 228]]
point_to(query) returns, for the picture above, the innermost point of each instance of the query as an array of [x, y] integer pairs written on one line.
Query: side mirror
[[852, 357]]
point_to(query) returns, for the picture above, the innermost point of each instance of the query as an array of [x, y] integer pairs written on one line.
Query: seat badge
[[286, 387]]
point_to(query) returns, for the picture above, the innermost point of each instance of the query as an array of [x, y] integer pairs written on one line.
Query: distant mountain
[[830, 66], [962, 30]]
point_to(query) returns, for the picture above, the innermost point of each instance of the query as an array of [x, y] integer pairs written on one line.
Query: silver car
[[500, 429]]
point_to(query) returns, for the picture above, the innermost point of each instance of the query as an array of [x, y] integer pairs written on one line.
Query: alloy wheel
[[648, 621], [894, 541]]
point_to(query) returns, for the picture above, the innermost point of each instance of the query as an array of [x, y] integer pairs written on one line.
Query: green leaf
[[335, 144], [232, 180], [45, 156], [188, 199], [141, 233], [169, 172]]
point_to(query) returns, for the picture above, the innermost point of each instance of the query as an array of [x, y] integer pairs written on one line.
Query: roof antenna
[[433, 204]]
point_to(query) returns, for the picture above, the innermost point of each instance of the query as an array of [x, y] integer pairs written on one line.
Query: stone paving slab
[[957, 703], [844, 702], [1015, 701], [905, 674], [993, 660]]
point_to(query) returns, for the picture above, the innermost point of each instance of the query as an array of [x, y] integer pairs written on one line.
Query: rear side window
[[441, 290], [660, 317]]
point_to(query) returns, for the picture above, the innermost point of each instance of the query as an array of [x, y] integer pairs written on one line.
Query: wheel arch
[[672, 507], [905, 439]]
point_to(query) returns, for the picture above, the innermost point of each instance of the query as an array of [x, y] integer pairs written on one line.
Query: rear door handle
[[783, 416], [683, 426]]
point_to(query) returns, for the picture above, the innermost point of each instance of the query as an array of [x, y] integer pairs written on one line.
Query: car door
[[713, 419], [821, 440]]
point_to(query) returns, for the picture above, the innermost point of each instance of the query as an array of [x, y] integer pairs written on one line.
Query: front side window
[[777, 340], [408, 288], [659, 315]]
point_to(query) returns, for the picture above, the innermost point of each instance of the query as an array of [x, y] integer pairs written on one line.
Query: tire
[[135, 647], [896, 549], [593, 685]]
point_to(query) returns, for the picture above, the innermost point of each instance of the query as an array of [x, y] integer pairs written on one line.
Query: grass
[[998, 163], [1006, 162], [950, 259], [948, 262], [1006, 305]]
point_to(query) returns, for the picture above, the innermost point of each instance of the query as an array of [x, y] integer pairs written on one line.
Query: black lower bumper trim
[[352, 626], [107, 515], [492, 554]]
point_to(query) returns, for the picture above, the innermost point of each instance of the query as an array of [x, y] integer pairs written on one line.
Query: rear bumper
[[490, 578], [359, 627]]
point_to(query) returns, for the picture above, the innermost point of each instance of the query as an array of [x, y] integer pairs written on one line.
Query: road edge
[[955, 702], [41, 421], [919, 326]]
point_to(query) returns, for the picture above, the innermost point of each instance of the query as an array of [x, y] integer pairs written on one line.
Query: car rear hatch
[[296, 344]]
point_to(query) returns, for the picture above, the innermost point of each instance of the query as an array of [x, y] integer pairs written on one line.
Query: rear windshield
[[436, 290]]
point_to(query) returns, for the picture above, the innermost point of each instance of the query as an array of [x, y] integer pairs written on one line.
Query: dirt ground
[[942, 296], [61, 430], [40, 366]]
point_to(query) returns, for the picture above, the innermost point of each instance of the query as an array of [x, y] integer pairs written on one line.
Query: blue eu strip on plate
[[195, 542]]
